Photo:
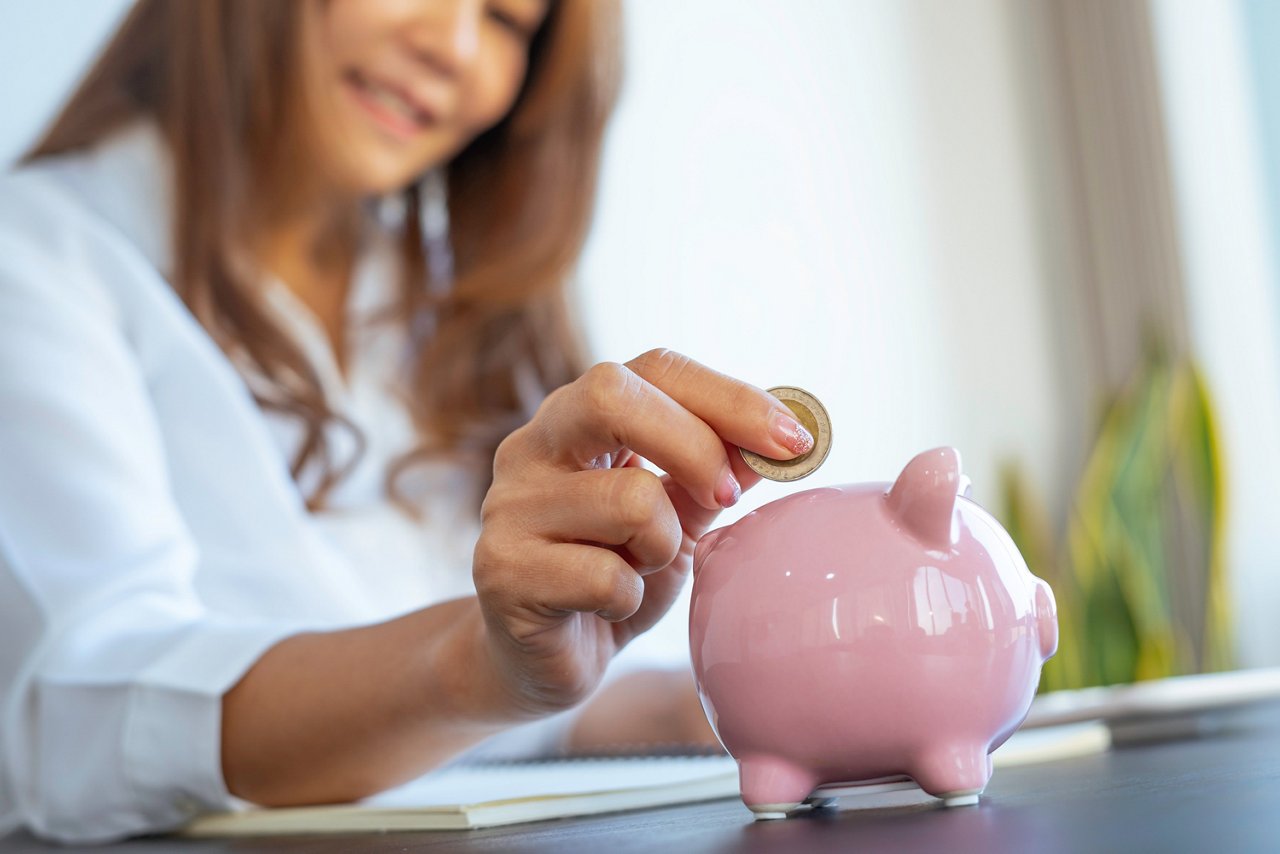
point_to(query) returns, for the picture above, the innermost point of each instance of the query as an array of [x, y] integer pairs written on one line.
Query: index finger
[[738, 412]]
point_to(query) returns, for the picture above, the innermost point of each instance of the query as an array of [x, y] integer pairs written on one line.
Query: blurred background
[[1043, 232]]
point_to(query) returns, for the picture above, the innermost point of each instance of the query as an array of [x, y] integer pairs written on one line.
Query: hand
[[581, 548]]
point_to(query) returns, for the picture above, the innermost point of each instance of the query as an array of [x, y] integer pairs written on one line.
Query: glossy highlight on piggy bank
[[863, 634]]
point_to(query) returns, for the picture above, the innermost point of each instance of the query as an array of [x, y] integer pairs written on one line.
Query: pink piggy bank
[[862, 634]]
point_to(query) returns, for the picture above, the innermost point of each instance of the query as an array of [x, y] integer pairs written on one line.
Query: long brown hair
[[217, 78]]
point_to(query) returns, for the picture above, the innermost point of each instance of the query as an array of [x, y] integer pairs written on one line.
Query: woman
[[281, 302]]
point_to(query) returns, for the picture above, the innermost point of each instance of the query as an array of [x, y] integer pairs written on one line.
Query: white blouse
[[152, 542]]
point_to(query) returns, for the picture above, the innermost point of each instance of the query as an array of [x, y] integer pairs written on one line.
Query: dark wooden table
[[1218, 793]]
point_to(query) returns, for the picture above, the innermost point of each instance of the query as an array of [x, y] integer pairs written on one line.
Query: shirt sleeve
[[111, 668]]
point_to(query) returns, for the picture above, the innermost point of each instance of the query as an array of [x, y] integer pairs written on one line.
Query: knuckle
[[630, 592], [504, 571], [486, 566], [608, 582], [551, 404], [609, 387], [661, 363], [672, 541], [515, 452], [597, 571], [494, 507], [659, 542], [513, 512], [504, 457], [486, 505], [634, 500]]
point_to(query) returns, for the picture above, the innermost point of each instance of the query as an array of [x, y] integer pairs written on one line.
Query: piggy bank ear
[[924, 497]]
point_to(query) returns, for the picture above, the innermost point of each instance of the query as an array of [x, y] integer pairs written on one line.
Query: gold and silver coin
[[810, 412]]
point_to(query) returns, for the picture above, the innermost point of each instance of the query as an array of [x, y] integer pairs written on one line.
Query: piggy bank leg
[[772, 787], [957, 773]]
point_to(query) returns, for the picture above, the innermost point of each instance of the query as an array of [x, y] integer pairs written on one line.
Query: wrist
[[478, 691]]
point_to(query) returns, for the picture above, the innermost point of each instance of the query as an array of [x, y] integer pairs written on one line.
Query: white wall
[[833, 195]]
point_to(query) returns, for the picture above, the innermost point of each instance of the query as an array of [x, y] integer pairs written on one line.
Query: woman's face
[[400, 86]]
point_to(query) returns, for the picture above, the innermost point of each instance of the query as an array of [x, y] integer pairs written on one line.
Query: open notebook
[[492, 794]]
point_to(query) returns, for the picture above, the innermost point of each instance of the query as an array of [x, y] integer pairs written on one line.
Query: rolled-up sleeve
[[111, 667]]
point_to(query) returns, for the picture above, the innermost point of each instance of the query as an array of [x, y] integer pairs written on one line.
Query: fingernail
[[728, 491], [790, 433]]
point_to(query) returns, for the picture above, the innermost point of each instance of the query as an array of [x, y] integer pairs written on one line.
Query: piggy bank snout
[[1046, 619]]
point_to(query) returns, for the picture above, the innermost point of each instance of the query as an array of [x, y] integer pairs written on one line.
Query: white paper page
[[472, 784]]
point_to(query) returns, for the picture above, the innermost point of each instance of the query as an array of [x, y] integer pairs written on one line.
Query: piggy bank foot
[[772, 787], [960, 799], [956, 773]]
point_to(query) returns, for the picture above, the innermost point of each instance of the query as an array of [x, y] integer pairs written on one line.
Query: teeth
[[394, 102]]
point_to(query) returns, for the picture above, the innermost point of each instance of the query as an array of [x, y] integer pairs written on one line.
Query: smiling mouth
[[390, 104]]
